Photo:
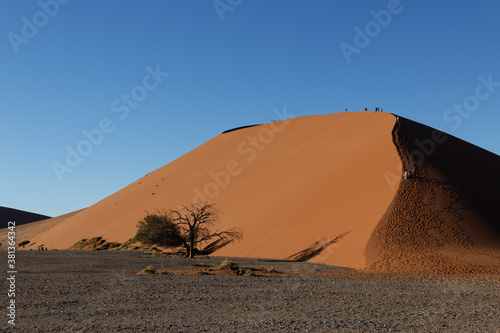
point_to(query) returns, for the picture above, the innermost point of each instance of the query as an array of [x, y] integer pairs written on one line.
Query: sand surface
[[85, 291], [325, 189], [444, 218]]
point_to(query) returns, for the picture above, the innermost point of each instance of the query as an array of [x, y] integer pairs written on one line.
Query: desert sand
[[325, 189]]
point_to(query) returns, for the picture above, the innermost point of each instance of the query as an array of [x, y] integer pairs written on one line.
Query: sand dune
[[19, 216], [287, 185], [324, 189]]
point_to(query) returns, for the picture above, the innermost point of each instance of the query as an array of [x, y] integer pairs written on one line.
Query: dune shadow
[[274, 260], [214, 246], [238, 128], [316, 248]]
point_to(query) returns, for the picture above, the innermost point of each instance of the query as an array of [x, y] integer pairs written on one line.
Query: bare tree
[[187, 227]]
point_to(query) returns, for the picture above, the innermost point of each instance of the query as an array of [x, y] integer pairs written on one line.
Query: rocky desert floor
[[89, 291]]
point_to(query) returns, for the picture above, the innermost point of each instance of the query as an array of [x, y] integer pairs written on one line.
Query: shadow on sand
[[316, 248]]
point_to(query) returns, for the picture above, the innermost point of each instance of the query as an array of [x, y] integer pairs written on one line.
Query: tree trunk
[[191, 244], [191, 250]]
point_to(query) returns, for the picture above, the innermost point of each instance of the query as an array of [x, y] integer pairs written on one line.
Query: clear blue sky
[[65, 67]]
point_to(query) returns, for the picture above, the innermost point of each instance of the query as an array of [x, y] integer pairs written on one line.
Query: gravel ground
[[82, 291]]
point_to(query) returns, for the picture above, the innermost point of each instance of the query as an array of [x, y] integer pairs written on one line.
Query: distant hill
[[19, 216], [27, 231]]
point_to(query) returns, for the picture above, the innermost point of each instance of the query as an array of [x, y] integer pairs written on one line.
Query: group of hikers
[[407, 175], [376, 109]]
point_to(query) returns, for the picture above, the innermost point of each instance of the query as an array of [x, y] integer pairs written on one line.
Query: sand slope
[[309, 188], [30, 230], [445, 217]]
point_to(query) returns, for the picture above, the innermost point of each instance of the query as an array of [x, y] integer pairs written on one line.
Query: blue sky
[[66, 65]]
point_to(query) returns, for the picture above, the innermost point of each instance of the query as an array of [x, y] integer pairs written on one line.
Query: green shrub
[[129, 242], [226, 265], [90, 244], [271, 270], [114, 245], [103, 247], [107, 246], [149, 270], [78, 245], [186, 228], [158, 229]]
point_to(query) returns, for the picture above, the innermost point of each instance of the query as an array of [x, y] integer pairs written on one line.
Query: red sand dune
[[325, 189]]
